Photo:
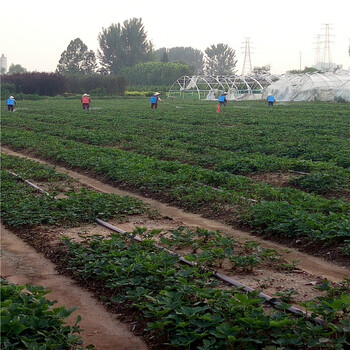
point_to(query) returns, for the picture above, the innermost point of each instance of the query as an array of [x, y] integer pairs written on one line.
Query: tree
[[220, 60], [77, 59], [123, 46], [155, 73], [137, 48], [305, 70], [16, 69], [184, 55], [111, 51], [261, 70], [189, 56], [165, 57]]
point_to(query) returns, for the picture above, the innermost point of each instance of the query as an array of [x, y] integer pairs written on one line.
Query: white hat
[[225, 93], [157, 93], [85, 94], [11, 97]]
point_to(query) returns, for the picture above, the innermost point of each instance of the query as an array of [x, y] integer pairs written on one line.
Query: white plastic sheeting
[[343, 94], [311, 87]]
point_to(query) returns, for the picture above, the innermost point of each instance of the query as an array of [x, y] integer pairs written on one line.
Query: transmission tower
[[247, 64], [327, 56]]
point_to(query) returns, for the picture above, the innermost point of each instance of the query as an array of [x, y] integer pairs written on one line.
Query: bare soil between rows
[[281, 179]]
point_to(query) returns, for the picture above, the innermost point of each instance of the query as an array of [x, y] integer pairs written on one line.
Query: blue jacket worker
[[11, 103], [270, 100], [154, 100], [222, 99]]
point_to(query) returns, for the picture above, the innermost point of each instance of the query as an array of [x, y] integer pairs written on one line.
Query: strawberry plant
[[22, 206], [183, 307], [29, 320], [322, 182], [286, 296], [246, 262], [190, 158]]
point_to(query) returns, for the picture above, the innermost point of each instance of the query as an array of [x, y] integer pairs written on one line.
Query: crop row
[[22, 206], [183, 307], [239, 144], [280, 211], [29, 320], [191, 138], [26, 207], [323, 178], [212, 249]]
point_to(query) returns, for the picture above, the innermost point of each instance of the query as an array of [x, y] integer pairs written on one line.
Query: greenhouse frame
[[209, 87]]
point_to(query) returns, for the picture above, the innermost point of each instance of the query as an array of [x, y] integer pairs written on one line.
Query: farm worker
[[11, 103], [154, 100], [85, 100], [270, 100], [222, 99]]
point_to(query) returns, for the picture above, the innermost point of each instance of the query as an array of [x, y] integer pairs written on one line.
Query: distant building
[[3, 64]]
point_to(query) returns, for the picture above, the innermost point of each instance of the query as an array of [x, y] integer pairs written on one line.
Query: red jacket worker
[[86, 101]]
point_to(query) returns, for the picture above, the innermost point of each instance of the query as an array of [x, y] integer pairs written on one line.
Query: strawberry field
[[281, 173], [189, 155]]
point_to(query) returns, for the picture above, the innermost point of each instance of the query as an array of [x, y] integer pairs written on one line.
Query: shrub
[[35, 83], [97, 84]]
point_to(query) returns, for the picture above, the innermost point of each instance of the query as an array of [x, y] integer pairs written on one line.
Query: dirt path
[[308, 263], [21, 264]]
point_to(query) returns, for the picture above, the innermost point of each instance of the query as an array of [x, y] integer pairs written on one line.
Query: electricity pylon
[[247, 64]]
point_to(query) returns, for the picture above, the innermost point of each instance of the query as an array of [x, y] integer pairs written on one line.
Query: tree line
[[52, 84], [33, 83], [125, 57], [125, 46]]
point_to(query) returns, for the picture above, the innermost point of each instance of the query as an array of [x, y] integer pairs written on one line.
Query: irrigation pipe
[[30, 183], [298, 172], [274, 302]]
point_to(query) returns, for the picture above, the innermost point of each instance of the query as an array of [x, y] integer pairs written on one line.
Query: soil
[[275, 179], [21, 264], [281, 179]]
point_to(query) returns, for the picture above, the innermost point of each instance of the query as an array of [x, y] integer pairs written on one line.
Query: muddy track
[[308, 263]]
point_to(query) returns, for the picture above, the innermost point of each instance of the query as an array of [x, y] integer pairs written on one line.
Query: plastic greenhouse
[[327, 86], [343, 93], [209, 87]]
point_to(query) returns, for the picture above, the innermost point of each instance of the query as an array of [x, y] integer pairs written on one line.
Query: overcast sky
[[34, 33]]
